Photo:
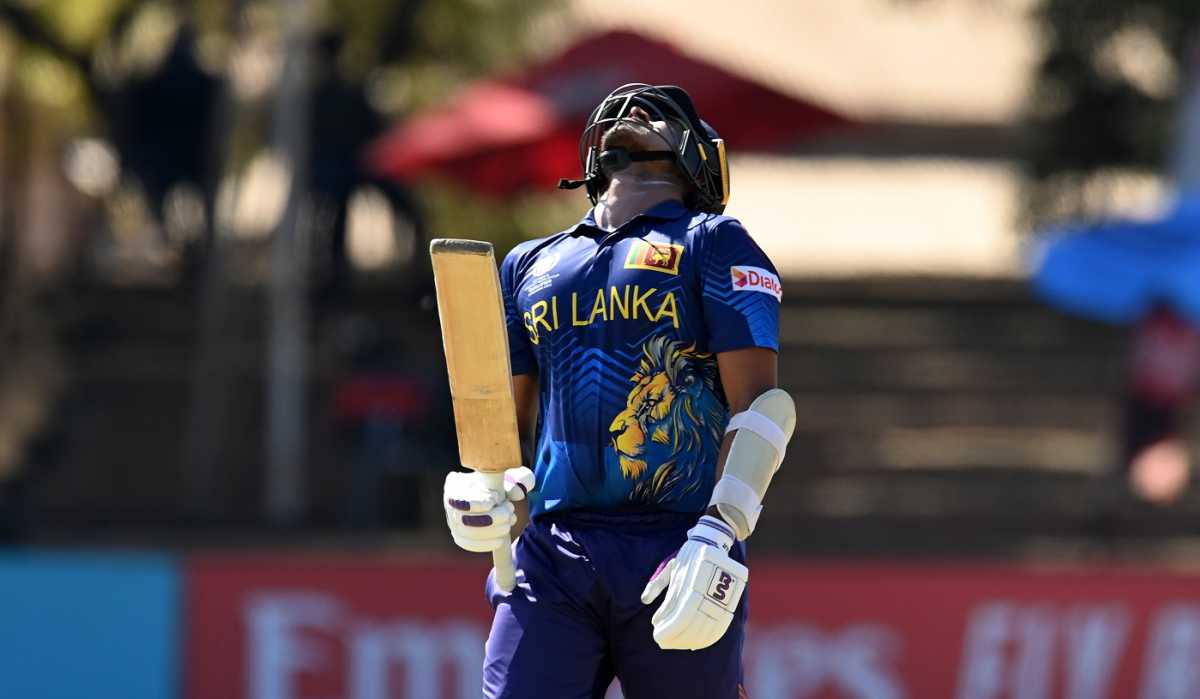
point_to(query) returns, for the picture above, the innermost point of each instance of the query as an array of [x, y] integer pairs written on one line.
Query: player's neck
[[629, 193]]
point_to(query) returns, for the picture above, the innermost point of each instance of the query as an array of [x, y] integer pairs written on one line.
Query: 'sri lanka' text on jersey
[[627, 302], [622, 329]]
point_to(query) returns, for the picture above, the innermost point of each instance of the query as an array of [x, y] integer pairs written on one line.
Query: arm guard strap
[[763, 431]]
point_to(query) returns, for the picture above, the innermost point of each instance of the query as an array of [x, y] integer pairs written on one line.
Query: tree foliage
[[414, 50], [1105, 94]]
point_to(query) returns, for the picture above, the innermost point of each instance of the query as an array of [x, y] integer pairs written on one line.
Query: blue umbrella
[[1117, 272]]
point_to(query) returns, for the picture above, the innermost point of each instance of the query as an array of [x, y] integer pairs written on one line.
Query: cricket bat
[[475, 340]]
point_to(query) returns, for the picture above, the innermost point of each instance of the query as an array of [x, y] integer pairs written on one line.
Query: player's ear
[[601, 183]]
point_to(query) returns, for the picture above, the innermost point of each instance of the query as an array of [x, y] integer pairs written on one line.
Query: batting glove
[[703, 587], [480, 517]]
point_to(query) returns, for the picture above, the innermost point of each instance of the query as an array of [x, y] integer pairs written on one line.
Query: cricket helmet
[[699, 154]]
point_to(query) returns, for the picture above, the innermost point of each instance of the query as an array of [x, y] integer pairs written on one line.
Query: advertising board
[[357, 629], [89, 625]]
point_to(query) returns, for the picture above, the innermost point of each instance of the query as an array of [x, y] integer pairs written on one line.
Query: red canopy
[[503, 136]]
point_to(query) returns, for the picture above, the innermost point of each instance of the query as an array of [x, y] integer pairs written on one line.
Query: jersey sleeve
[[520, 352], [740, 289]]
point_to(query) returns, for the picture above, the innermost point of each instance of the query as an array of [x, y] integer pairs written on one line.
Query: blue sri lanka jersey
[[622, 329]]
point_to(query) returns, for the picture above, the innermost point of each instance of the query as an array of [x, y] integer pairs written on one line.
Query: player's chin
[[631, 136]]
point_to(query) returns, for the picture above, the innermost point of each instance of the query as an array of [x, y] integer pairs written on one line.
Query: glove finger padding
[[479, 545], [517, 483], [705, 588], [698, 631], [466, 492], [676, 588], [479, 517], [659, 581], [482, 531]]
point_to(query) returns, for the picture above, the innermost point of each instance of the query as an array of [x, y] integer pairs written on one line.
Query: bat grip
[[506, 574]]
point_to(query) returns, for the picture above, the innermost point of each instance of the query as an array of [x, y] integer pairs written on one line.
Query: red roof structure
[[500, 137]]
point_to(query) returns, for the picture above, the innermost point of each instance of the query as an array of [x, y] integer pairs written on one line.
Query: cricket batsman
[[643, 345]]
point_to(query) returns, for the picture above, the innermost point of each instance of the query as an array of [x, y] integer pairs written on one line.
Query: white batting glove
[[703, 587], [478, 516]]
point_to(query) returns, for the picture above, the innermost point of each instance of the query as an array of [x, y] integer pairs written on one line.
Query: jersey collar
[[663, 211]]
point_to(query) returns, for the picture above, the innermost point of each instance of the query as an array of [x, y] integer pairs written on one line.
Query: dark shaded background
[[196, 355]]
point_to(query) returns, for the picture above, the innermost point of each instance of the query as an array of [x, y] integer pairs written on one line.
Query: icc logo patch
[[544, 264], [660, 257]]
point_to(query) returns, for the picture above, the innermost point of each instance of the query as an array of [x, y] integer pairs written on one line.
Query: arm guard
[[763, 431]]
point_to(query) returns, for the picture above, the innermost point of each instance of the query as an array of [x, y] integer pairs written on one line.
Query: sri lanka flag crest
[[660, 257]]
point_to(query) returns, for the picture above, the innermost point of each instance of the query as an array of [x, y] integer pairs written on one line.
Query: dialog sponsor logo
[[756, 279]]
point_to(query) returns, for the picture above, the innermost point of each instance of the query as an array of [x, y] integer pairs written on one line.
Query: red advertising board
[[357, 628]]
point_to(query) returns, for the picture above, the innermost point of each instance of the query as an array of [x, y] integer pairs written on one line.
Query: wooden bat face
[[475, 340]]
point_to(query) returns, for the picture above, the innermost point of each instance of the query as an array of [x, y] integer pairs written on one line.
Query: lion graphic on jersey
[[671, 424]]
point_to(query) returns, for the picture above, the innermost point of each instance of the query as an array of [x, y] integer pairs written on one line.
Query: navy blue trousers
[[576, 619]]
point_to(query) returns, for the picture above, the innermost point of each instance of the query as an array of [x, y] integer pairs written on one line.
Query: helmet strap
[[564, 183], [615, 160]]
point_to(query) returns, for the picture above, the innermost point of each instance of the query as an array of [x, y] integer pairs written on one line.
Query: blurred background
[[224, 420]]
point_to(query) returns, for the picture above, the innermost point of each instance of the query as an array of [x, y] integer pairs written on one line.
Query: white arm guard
[[763, 432]]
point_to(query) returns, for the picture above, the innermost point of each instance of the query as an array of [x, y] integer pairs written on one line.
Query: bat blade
[[475, 341]]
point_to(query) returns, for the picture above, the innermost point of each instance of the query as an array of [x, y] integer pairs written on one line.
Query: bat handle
[[502, 559]]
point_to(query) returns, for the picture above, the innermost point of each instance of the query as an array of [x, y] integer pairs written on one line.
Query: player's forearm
[[525, 394], [745, 375], [525, 390], [722, 456], [747, 462]]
